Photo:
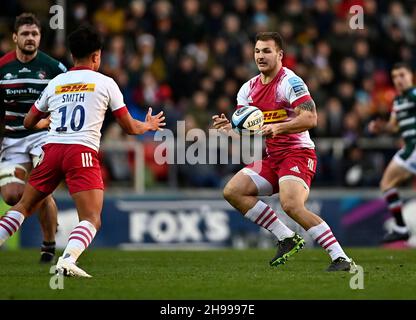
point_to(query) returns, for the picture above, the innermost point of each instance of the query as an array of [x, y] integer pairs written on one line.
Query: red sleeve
[[37, 113], [301, 100], [120, 112]]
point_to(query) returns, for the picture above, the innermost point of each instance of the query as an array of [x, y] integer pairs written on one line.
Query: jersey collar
[[80, 68]]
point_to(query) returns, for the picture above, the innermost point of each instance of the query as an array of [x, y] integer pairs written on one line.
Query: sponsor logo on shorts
[[274, 116], [86, 158], [295, 169], [311, 164], [80, 87]]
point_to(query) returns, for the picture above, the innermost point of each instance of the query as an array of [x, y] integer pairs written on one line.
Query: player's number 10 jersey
[[77, 101]]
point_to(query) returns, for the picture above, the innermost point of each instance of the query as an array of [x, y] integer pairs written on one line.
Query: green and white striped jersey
[[20, 86], [404, 107]]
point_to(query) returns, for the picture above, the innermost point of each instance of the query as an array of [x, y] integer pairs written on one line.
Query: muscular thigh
[[12, 180], [261, 177], [394, 175], [241, 184]]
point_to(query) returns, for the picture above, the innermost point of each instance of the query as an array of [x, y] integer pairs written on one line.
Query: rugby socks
[[394, 204], [323, 235], [9, 224], [79, 240], [265, 217], [48, 248]]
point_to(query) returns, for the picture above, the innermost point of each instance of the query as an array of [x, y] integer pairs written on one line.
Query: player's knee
[[230, 192], [385, 185], [291, 206], [11, 197]]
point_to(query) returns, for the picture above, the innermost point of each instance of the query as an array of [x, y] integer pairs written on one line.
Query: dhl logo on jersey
[[80, 87], [274, 116]]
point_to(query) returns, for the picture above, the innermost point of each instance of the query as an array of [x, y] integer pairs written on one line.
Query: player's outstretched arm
[[35, 119], [222, 124], [379, 126], [306, 118], [133, 126]]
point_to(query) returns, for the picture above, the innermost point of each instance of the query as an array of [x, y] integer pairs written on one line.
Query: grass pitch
[[219, 274]]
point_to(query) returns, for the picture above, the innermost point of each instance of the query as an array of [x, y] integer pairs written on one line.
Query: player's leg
[[12, 181], [13, 219], [48, 210], [85, 184], [48, 219], [394, 175], [293, 195], [89, 205], [242, 191]]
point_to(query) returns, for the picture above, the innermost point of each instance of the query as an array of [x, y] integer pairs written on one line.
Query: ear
[[96, 56], [14, 37]]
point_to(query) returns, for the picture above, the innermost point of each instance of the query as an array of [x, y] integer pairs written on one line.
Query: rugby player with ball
[[289, 167]]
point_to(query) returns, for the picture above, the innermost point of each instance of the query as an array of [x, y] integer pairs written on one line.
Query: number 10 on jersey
[[79, 109]]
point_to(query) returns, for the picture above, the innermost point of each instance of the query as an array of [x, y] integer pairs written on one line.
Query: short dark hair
[[270, 35], [399, 65], [26, 18], [84, 41]]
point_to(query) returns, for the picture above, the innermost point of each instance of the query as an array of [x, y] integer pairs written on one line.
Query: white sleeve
[[242, 95], [115, 97], [295, 90], [42, 102]]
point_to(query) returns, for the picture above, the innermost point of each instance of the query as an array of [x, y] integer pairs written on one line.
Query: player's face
[[402, 79], [27, 38], [267, 56]]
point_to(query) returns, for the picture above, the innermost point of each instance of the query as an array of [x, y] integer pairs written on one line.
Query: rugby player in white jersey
[[290, 164], [76, 102]]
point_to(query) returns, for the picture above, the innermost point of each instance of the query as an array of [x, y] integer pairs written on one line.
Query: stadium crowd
[[190, 57]]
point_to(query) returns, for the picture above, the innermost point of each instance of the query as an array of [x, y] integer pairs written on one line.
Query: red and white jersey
[[277, 100], [77, 101]]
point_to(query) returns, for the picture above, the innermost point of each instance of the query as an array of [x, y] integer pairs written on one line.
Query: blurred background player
[[24, 73], [77, 101], [289, 166], [403, 165]]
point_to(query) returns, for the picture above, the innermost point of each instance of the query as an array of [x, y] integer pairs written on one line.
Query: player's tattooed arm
[[308, 105], [306, 118]]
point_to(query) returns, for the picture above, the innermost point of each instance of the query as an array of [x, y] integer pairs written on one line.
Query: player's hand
[[375, 126], [43, 124], [221, 123], [271, 130], [155, 123]]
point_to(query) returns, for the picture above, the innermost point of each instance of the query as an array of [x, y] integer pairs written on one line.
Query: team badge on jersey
[[41, 74], [298, 86]]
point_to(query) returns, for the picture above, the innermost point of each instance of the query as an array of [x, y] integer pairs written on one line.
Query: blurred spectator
[[109, 17]]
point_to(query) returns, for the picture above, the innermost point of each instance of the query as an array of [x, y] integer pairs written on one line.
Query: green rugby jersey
[[404, 107], [20, 86]]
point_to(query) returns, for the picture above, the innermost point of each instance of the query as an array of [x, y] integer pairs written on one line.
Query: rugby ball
[[247, 120]]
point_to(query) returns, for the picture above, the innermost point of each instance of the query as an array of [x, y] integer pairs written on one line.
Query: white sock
[[323, 235], [9, 224], [79, 240], [265, 217]]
